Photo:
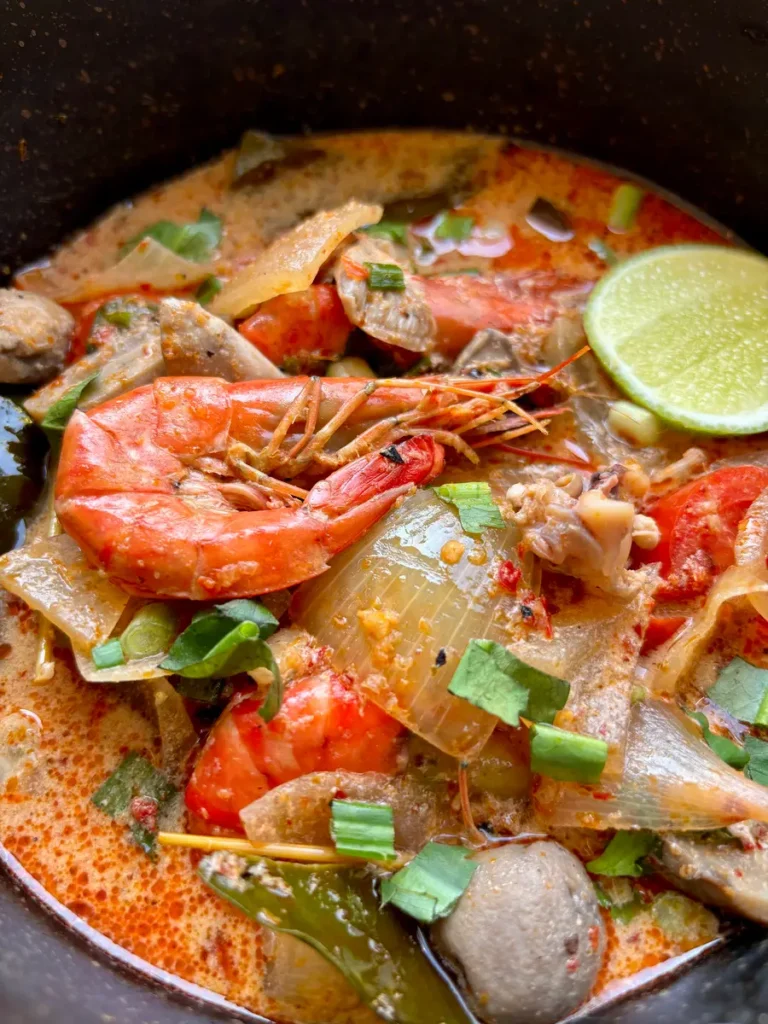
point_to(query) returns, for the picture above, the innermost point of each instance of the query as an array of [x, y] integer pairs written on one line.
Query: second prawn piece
[[323, 725]]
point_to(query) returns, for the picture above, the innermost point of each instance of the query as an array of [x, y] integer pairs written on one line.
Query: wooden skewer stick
[[276, 851]]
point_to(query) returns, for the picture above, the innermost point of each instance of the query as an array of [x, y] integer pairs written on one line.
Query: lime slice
[[684, 331]]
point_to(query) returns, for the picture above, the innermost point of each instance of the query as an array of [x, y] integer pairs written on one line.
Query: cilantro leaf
[[208, 290], [195, 241], [728, 751], [621, 856], [757, 767], [135, 793], [430, 886], [474, 503], [363, 830], [60, 413], [742, 690], [243, 609], [492, 678]]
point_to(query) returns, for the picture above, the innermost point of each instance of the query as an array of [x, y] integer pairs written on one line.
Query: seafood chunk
[[34, 337], [721, 873], [527, 935], [588, 535]]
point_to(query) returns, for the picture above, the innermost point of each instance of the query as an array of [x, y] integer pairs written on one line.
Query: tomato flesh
[[698, 524]]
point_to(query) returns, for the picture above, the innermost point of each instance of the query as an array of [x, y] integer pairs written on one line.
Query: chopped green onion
[[432, 884], [363, 830], [604, 251], [624, 207], [385, 277], [474, 503], [567, 756], [208, 290], [728, 751], [195, 242], [622, 856], [454, 227], [118, 317], [61, 411], [150, 631], [492, 678], [392, 230], [108, 655], [136, 792], [638, 426], [467, 271]]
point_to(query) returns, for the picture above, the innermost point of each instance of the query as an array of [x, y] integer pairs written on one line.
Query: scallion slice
[[432, 884], [363, 830], [108, 655], [150, 631], [624, 208], [392, 230], [605, 252], [385, 277], [567, 756], [453, 227]]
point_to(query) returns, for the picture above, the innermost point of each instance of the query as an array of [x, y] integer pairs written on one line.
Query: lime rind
[[689, 343]]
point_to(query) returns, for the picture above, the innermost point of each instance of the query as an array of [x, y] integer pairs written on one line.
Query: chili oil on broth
[[161, 911]]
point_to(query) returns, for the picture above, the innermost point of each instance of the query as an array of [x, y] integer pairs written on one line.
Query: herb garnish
[[108, 655], [208, 290], [392, 230], [728, 751], [195, 241], [385, 277], [430, 886], [567, 756], [60, 413], [453, 227], [492, 678], [474, 503], [624, 207], [225, 641], [136, 792], [757, 767], [363, 830], [742, 690], [622, 856]]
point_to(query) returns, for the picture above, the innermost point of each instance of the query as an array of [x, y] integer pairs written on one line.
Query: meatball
[[527, 936], [34, 337]]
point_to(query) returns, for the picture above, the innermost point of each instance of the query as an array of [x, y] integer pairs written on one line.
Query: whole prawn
[[178, 489]]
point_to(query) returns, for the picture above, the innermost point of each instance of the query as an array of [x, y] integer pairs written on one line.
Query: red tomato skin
[[699, 523], [660, 629]]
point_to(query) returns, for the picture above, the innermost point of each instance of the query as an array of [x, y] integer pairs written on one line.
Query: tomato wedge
[[698, 524]]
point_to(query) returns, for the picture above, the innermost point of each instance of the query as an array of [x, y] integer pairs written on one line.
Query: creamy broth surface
[[161, 911]]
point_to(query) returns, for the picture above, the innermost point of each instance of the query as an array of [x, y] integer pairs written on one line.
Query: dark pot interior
[[99, 100]]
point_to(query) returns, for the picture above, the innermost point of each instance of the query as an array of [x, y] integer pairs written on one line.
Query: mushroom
[[526, 938]]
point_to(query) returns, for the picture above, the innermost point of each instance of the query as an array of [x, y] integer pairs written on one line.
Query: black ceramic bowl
[[100, 98]]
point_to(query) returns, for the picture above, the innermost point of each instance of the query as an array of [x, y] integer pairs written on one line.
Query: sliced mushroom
[[34, 337], [400, 318], [720, 873]]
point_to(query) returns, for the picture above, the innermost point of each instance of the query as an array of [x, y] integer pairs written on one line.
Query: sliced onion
[[300, 811], [148, 265], [392, 603], [130, 359], [177, 734], [751, 548], [595, 646], [52, 576], [667, 666], [672, 781], [291, 263]]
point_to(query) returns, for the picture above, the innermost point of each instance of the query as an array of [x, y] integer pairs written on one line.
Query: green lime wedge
[[684, 331]]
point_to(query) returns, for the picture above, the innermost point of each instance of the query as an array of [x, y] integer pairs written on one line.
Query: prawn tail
[[356, 496]]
